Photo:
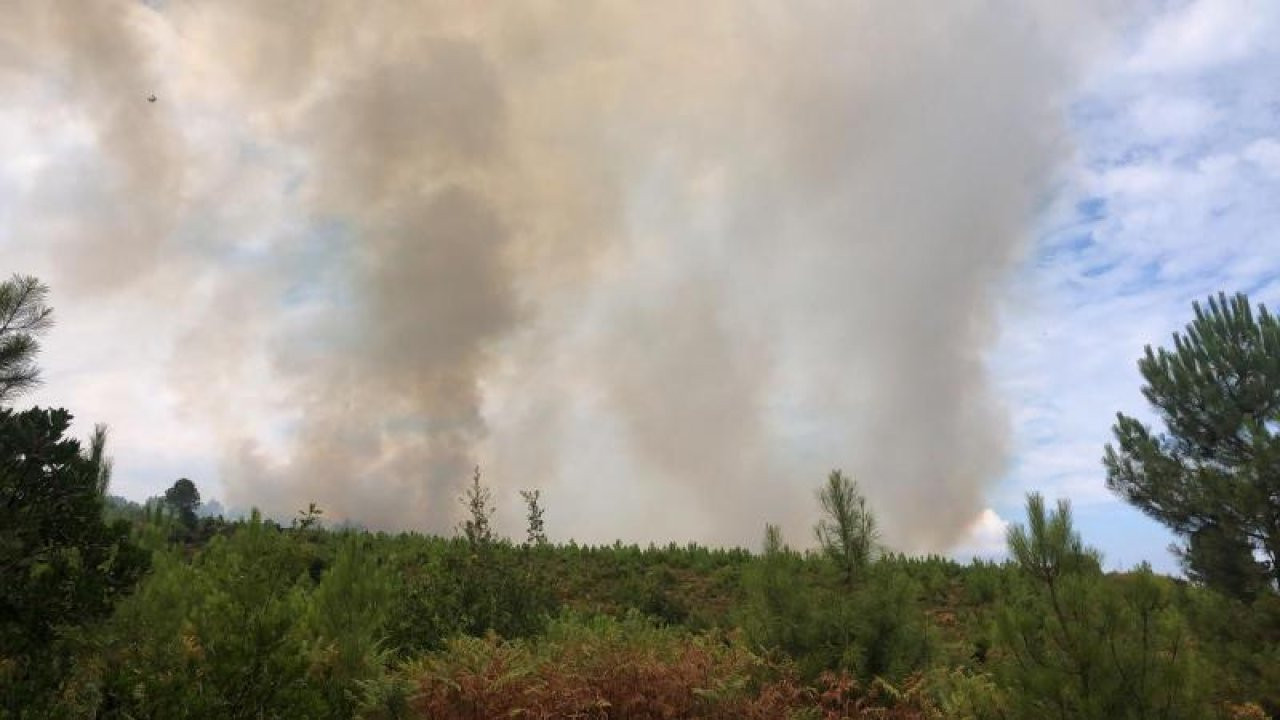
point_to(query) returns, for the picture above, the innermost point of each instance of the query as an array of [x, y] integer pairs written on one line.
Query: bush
[[455, 588], [346, 618], [1078, 644], [221, 636], [889, 637], [875, 629], [1241, 644], [962, 695]]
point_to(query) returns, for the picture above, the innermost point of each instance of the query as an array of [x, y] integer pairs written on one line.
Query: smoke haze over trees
[[112, 609], [646, 256]]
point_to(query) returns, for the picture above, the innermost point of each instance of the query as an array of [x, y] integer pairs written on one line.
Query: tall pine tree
[[1214, 476]]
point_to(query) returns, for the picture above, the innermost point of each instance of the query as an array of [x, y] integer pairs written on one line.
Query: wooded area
[[114, 609]]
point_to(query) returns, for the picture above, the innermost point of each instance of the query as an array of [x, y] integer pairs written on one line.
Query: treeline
[[114, 610], [261, 620]]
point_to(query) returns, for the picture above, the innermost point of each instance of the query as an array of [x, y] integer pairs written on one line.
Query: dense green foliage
[[803, 608], [61, 565], [109, 609], [1214, 477], [1085, 647], [260, 620]]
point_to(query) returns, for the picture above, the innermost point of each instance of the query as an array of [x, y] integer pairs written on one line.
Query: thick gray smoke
[[669, 261]]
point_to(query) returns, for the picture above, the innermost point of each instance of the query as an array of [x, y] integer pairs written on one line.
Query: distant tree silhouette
[[309, 518], [184, 499]]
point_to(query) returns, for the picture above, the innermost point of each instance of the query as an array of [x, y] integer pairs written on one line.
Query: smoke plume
[[669, 262]]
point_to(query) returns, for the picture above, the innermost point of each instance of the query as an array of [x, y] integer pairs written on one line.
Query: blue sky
[[1168, 190], [1173, 193]]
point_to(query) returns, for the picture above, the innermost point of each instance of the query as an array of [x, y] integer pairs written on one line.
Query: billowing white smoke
[[669, 261]]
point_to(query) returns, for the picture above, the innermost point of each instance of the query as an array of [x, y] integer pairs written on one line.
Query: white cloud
[[1171, 117], [1202, 34], [1265, 154], [986, 538]]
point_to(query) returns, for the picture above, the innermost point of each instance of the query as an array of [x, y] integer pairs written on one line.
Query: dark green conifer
[[1214, 476]]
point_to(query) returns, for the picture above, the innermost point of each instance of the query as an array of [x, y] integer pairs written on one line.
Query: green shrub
[[220, 636], [346, 619], [456, 588], [62, 568], [874, 629], [1077, 644]]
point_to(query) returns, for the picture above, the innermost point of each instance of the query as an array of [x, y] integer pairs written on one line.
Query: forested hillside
[[114, 609], [253, 619]]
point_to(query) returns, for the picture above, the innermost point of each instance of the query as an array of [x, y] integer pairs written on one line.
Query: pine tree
[[347, 616], [184, 498], [1214, 477], [310, 518], [476, 528], [536, 533], [61, 566], [848, 531], [23, 316], [1078, 645], [97, 455], [778, 612]]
